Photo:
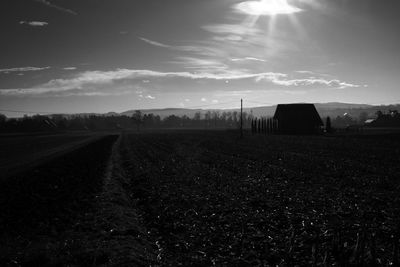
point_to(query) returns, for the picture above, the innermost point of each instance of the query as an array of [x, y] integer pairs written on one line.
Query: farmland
[[19, 151], [203, 198], [211, 198]]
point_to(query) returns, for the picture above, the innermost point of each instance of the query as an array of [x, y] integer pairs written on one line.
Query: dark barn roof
[[297, 118]]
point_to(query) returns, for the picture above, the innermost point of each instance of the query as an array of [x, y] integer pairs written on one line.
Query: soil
[[204, 198]]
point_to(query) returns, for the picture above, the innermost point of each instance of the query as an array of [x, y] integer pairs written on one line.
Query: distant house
[[298, 119], [369, 121]]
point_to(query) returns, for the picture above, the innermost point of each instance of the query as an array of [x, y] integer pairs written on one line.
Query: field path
[[48, 213], [22, 152]]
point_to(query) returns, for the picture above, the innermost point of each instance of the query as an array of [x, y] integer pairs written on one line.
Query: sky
[[70, 56]]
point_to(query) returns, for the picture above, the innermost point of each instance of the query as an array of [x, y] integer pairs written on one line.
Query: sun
[[267, 7]]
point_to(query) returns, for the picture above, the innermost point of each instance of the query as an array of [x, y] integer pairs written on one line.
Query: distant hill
[[332, 109], [354, 110]]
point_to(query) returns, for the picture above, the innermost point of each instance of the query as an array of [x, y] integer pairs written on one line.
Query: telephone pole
[[241, 118]]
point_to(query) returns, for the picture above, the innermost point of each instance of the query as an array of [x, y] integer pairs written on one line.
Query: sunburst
[[267, 7]]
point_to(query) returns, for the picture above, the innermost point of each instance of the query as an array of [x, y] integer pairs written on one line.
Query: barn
[[298, 119]]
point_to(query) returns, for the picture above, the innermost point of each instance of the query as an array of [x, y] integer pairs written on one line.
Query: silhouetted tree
[[137, 119], [362, 117], [328, 126], [391, 119], [3, 119], [235, 119]]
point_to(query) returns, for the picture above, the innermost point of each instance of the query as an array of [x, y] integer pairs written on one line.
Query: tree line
[[379, 119], [205, 120], [138, 121]]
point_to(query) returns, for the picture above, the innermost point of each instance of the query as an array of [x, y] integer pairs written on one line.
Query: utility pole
[[241, 118]]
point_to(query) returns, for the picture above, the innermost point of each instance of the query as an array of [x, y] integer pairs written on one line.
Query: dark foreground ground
[[19, 152], [204, 198]]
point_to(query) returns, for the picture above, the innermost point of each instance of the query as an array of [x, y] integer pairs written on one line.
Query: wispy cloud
[[23, 69], [248, 59], [34, 23], [93, 80], [63, 9], [310, 82], [69, 68], [246, 41], [230, 37], [141, 95], [96, 79], [154, 42], [234, 93], [237, 29], [305, 72], [201, 64], [184, 48]]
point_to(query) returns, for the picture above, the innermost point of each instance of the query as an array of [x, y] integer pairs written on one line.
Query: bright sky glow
[[267, 7]]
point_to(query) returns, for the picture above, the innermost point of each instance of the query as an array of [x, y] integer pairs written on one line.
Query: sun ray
[[299, 29], [267, 11], [267, 7]]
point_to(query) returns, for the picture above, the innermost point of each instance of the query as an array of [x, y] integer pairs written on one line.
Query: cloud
[[201, 63], [248, 59], [34, 23], [49, 4], [305, 72], [150, 97], [69, 68], [22, 69], [236, 29], [82, 93], [310, 82], [184, 48], [203, 99], [231, 37], [93, 81], [154, 42], [249, 40], [233, 93]]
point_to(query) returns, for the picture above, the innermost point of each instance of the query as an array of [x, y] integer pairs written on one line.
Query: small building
[[298, 119], [369, 121]]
